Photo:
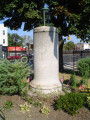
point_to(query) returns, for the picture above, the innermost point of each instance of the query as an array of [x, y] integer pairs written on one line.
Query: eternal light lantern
[[45, 10]]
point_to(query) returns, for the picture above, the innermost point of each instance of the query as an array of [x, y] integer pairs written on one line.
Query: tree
[[17, 11], [83, 26], [11, 40], [69, 46], [69, 16], [27, 40]]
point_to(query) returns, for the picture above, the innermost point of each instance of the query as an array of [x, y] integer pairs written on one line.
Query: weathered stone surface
[[46, 71]]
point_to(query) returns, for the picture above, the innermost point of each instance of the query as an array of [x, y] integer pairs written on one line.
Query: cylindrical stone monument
[[46, 68]]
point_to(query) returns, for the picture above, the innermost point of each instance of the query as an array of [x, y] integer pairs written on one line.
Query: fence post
[[81, 54]]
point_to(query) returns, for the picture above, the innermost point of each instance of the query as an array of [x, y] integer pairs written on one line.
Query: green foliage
[[64, 12], [25, 108], [45, 110], [71, 102], [13, 77], [73, 81], [88, 101], [44, 97], [37, 104], [84, 81], [86, 90], [17, 12], [11, 40], [61, 13], [84, 67], [8, 105], [69, 46], [24, 94], [30, 100]]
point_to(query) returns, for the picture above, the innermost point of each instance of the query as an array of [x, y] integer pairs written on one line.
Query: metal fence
[[70, 58]]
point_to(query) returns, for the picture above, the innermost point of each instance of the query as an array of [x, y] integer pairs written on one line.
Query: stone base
[[44, 95], [42, 88]]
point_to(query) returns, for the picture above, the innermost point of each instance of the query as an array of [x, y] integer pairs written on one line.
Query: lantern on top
[[45, 10], [69, 38]]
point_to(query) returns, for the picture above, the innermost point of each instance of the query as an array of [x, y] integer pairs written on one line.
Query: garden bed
[[20, 106], [34, 113]]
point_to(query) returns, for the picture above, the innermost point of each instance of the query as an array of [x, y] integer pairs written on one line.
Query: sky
[[30, 33]]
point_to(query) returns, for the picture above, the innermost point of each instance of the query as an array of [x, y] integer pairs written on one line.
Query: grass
[[67, 74]]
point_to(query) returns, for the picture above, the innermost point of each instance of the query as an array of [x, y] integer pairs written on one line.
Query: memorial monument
[[46, 60]]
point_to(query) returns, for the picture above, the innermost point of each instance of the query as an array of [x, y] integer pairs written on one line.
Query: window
[[3, 40], [3, 32]]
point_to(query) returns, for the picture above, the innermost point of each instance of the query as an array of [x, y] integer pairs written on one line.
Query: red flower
[[28, 80], [62, 79], [80, 87], [83, 86]]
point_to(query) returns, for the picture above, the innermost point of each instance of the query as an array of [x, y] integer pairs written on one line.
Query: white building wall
[[3, 37], [86, 46]]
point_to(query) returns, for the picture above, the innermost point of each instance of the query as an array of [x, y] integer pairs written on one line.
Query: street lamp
[[15, 40], [45, 10]]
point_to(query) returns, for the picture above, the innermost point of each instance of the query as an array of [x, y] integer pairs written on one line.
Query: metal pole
[[15, 50], [81, 54], [48, 19], [44, 17], [22, 50]]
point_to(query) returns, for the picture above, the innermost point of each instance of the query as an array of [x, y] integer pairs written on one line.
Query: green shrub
[[30, 100], [88, 102], [84, 81], [45, 110], [8, 105], [24, 94], [37, 104], [84, 66], [73, 81], [71, 102], [13, 77], [25, 108]]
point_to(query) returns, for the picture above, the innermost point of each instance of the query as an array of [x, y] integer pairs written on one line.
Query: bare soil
[[34, 113]]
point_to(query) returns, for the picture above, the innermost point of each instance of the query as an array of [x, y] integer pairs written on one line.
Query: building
[[79, 47], [3, 41], [12, 51], [85, 46], [3, 35]]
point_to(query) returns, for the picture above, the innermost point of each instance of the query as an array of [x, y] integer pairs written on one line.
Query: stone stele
[[46, 68]]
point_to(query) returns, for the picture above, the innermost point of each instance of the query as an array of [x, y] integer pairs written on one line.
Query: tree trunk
[[61, 42]]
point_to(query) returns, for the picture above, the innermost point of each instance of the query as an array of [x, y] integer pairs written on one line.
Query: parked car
[[14, 57]]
